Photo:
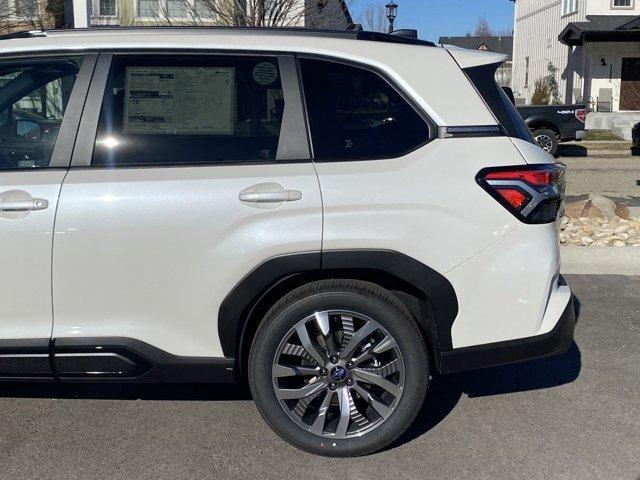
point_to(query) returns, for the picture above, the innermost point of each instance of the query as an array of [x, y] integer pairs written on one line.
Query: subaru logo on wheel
[[338, 374]]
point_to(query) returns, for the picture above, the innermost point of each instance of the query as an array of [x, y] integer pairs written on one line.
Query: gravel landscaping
[[600, 232], [599, 222]]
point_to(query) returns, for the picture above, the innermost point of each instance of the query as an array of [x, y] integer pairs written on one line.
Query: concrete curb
[[600, 260]]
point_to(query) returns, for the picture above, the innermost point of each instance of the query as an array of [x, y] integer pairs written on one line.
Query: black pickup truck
[[552, 124]]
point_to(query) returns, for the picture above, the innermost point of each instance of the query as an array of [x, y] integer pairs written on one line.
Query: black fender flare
[[237, 307]]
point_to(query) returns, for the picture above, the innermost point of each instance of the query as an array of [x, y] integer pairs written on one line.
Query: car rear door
[[41, 99], [189, 172]]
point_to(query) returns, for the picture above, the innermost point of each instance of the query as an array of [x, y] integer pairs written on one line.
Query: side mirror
[[28, 131]]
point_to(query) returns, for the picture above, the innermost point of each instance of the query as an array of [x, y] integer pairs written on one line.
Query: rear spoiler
[[474, 58]]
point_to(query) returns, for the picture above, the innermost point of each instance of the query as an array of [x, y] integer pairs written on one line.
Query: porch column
[[81, 13]]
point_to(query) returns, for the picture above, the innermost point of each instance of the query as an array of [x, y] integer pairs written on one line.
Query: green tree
[[541, 94]]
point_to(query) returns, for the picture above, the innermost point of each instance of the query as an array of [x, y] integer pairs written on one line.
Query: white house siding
[[609, 76], [603, 7], [537, 26]]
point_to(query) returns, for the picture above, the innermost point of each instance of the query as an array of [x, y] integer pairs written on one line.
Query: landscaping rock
[[597, 207]]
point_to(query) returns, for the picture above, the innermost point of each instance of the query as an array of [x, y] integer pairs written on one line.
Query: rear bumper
[[555, 342]]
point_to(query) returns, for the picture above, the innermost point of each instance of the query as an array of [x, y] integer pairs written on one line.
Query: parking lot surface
[[576, 416]]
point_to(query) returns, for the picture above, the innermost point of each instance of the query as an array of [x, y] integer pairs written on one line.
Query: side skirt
[[110, 360]]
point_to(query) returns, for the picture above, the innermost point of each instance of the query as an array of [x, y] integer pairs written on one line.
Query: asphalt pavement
[[576, 416]]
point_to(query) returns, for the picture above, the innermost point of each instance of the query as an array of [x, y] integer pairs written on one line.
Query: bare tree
[[482, 28], [30, 15], [249, 13], [374, 18]]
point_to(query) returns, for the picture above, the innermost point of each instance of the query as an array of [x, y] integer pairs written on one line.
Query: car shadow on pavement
[[572, 150]]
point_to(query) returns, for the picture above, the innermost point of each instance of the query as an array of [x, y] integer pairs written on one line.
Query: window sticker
[[265, 73], [181, 100]]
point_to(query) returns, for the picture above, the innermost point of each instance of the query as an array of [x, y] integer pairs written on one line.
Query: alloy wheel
[[338, 374]]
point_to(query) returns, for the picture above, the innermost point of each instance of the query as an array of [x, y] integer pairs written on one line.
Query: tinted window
[[355, 114], [483, 77], [160, 110], [34, 95]]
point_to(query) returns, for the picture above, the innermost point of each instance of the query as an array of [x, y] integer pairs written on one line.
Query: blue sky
[[435, 18]]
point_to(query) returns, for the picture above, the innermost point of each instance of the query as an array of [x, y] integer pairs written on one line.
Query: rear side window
[[355, 114], [483, 78], [167, 110]]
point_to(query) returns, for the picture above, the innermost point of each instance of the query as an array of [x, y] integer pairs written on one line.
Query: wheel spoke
[[358, 337], [282, 371], [383, 410], [303, 403], [387, 343], [308, 344], [374, 379], [297, 393], [344, 400], [322, 319], [318, 424]]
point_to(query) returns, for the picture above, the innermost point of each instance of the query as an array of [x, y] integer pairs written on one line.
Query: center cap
[[338, 374]]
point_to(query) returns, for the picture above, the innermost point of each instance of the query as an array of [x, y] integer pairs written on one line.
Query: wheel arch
[[536, 123], [426, 293]]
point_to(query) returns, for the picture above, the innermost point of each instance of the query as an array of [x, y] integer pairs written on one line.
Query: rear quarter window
[[356, 114]]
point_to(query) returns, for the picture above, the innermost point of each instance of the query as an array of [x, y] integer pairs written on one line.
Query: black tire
[[547, 139], [353, 296]]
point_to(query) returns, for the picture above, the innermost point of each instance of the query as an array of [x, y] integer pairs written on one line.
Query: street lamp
[[392, 13]]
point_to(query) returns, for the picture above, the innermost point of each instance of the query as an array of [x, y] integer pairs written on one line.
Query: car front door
[[41, 100], [199, 172]]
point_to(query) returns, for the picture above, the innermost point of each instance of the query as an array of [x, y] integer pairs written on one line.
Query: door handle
[[271, 197], [23, 205]]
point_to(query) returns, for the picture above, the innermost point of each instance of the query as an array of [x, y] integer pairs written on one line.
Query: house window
[[622, 3], [202, 9], [108, 8], [526, 72], [569, 6], [148, 8], [177, 8]]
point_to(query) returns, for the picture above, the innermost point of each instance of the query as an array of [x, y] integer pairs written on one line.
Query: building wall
[[536, 28], [307, 15], [609, 76], [605, 7]]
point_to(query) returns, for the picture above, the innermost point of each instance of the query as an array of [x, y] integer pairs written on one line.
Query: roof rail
[[23, 34], [355, 32]]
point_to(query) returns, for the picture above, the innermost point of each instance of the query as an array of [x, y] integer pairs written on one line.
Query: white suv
[[334, 215]]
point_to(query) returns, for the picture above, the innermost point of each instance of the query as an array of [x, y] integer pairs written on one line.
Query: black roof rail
[[355, 32], [23, 34]]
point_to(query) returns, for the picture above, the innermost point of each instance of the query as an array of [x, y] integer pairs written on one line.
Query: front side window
[[355, 114], [34, 95], [167, 110]]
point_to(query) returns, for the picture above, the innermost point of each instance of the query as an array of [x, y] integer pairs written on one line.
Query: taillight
[[581, 114], [533, 193]]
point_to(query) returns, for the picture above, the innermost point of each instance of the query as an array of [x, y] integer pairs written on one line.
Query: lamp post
[[392, 13]]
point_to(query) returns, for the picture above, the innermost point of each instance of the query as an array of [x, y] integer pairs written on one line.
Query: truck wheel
[[547, 140]]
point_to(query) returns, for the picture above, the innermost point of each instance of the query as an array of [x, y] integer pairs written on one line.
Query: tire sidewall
[[413, 352]]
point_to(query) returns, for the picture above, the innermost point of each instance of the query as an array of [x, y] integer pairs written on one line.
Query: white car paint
[[151, 253]]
